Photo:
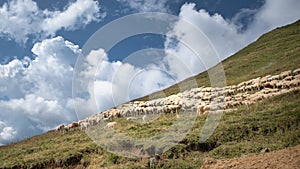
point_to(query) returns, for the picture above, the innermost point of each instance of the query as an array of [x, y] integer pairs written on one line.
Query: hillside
[[272, 123]]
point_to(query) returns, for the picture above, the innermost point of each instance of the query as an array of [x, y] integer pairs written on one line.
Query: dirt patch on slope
[[286, 158]]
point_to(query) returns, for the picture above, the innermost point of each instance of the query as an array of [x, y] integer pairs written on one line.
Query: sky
[[41, 41]]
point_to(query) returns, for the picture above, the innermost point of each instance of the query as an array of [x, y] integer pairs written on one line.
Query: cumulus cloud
[[147, 5], [36, 95], [226, 35], [102, 84], [274, 13], [22, 19], [7, 133]]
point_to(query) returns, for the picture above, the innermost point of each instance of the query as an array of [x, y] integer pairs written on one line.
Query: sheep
[[247, 102], [275, 77], [264, 79], [241, 84], [144, 118], [84, 125], [241, 89], [296, 72], [288, 78], [105, 119], [273, 83], [110, 125], [257, 83], [99, 119], [228, 104], [236, 103], [206, 89], [175, 108], [206, 97], [248, 88], [230, 91], [73, 125], [267, 85], [60, 128], [66, 128], [279, 85], [294, 83], [131, 118], [228, 98], [257, 97], [297, 76], [285, 74]]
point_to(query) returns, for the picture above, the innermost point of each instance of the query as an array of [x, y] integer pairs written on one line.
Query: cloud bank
[[22, 19], [36, 94]]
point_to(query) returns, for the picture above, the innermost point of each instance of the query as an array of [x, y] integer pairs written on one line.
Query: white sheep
[[296, 72], [110, 125], [84, 125], [295, 83], [288, 78], [144, 118], [131, 118], [285, 74]]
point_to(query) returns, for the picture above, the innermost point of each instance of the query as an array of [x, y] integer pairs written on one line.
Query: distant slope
[[273, 123], [272, 53]]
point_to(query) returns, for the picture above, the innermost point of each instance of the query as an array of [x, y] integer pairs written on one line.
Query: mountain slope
[[273, 123]]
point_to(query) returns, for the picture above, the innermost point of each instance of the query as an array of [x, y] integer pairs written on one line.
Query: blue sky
[[41, 40], [113, 10]]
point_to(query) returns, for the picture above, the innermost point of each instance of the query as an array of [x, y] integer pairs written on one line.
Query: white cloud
[[225, 35], [37, 94], [147, 5], [82, 12], [109, 84], [6, 133], [21, 19], [274, 13]]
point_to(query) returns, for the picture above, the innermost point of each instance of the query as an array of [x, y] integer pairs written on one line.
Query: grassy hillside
[[272, 124]]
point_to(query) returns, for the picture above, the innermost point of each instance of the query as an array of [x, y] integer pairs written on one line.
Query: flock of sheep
[[203, 100]]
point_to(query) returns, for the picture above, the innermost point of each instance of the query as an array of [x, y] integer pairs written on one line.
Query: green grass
[[273, 123]]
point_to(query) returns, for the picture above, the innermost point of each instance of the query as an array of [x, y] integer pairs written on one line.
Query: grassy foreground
[[272, 124]]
